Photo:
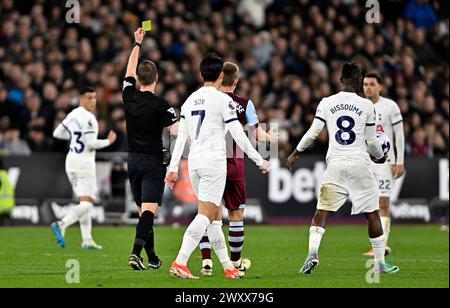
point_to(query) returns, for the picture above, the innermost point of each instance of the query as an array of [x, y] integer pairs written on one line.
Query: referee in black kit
[[146, 115]]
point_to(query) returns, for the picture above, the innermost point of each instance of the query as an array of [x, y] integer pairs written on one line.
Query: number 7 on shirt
[[201, 114]]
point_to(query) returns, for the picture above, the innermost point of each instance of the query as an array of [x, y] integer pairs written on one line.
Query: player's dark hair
[[351, 71], [230, 74], [211, 67], [87, 90], [375, 76], [147, 72]]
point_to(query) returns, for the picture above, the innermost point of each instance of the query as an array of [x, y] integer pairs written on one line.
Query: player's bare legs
[[320, 218], [375, 227], [144, 238]]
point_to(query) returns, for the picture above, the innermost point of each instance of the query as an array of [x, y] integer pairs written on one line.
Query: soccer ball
[[385, 142]]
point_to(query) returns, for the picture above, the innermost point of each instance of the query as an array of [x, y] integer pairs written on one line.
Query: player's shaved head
[[351, 71], [211, 67], [230, 74], [147, 73], [351, 76]]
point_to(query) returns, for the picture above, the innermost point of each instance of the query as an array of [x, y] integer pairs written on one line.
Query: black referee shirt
[[146, 116]]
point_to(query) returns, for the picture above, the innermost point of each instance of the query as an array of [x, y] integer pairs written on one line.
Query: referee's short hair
[[147, 72], [211, 67]]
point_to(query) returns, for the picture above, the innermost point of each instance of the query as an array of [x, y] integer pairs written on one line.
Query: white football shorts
[[356, 182], [209, 184], [83, 183], [385, 178]]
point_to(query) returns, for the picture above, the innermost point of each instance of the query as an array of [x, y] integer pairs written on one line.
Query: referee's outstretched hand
[[171, 179], [139, 35]]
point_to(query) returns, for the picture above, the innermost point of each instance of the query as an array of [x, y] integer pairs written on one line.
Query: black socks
[[144, 233], [150, 248]]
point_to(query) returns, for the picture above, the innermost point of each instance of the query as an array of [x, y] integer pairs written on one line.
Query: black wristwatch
[[136, 44]]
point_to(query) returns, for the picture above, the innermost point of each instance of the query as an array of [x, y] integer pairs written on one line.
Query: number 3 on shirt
[[345, 130], [201, 114], [79, 149]]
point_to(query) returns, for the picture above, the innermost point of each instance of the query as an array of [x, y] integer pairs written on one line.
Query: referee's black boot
[[155, 264], [136, 263]]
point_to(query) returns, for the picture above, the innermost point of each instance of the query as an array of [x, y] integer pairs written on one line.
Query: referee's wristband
[[136, 44]]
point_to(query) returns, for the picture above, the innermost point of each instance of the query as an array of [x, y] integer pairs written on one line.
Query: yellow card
[[147, 25]]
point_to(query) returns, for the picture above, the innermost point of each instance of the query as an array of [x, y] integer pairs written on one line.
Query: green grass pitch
[[29, 257]]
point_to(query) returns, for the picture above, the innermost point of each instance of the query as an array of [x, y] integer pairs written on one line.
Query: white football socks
[[86, 228], [192, 238], [315, 237], [386, 223], [378, 246], [75, 214], [218, 243]]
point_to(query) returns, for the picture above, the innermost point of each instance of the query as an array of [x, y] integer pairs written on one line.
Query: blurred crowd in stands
[[290, 53]]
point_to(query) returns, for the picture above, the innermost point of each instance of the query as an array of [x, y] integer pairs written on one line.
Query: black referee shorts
[[146, 174]]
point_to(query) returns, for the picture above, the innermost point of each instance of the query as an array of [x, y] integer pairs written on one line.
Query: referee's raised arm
[[129, 84], [134, 57]]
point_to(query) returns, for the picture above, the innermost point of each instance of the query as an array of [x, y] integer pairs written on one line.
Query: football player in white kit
[[350, 121], [389, 121], [205, 116], [81, 128]]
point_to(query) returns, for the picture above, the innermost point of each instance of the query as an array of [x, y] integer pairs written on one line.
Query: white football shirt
[[81, 125], [205, 113], [346, 116], [388, 115]]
